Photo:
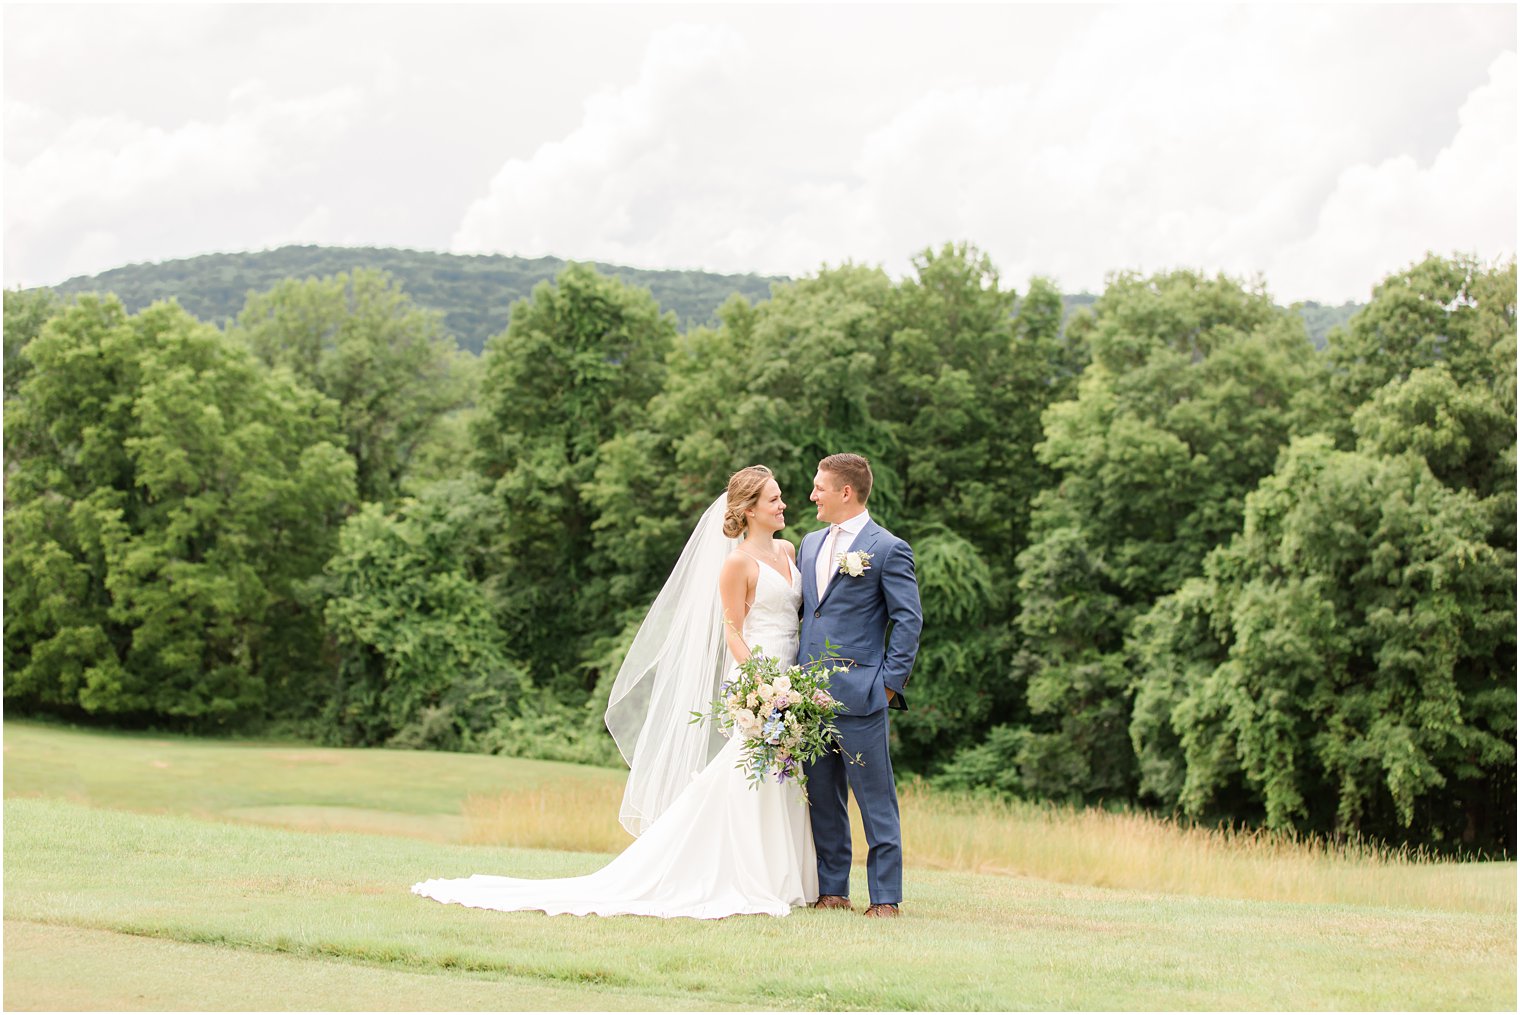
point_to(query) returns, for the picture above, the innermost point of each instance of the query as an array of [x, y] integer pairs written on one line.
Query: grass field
[[143, 872]]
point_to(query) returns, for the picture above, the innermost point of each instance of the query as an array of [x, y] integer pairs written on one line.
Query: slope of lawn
[[131, 882]]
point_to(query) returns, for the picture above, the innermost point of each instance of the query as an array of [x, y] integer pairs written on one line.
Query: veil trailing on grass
[[672, 669]]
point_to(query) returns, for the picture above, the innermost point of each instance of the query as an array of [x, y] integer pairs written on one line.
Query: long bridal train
[[714, 853], [721, 848]]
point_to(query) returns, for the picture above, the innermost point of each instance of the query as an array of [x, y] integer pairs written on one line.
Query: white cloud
[[114, 176], [1312, 143], [656, 162], [1102, 168], [1384, 216], [319, 227], [1216, 138]]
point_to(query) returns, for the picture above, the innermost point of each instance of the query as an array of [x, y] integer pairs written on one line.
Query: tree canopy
[[165, 499], [1176, 549]]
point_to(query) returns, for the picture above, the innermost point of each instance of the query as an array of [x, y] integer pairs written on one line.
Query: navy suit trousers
[[875, 794]]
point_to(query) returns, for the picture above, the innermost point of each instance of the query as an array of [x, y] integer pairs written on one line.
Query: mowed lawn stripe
[[108, 971], [476, 799], [966, 942]]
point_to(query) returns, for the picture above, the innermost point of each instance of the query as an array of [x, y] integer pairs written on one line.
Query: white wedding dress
[[723, 847]]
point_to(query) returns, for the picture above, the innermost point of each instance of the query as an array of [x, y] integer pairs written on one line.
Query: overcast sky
[[1320, 146]]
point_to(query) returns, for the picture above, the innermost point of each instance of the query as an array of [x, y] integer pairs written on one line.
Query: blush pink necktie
[[829, 567]]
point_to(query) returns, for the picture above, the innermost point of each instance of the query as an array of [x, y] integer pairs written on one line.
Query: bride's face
[[770, 509]]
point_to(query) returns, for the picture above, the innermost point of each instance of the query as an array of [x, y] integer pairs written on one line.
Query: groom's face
[[828, 494]]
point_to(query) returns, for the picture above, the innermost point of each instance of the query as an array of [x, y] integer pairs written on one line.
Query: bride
[[709, 844]]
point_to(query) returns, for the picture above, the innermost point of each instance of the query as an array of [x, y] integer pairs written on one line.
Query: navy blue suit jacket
[[874, 619]]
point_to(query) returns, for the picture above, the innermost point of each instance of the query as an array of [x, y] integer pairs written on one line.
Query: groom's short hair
[[852, 471]]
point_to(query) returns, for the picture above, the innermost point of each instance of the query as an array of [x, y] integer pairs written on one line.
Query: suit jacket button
[[817, 614]]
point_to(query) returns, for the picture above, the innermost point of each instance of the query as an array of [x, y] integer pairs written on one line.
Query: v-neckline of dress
[[788, 577]]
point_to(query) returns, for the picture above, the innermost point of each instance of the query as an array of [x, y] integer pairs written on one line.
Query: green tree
[[1465, 434], [447, 449], [962, 665], [166, 498], [936, 379], [1195, 385], [786, 383], [963, 386], [782, 383], [360, 341], [422, 662], [25, 314], [1448, 396], [1345, 664], [1442, 310], [575, 369]]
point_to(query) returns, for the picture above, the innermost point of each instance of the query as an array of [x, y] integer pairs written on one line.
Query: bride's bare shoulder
[[785, 547], [738, 561]]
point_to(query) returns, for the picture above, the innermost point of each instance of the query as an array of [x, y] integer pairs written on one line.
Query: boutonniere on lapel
[[854, 563]]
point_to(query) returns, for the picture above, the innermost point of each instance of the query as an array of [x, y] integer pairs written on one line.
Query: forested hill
[[473, 292], [328, 523]]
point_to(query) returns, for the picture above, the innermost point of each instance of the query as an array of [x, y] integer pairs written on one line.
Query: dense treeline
[[472, 293], [1171, 552]]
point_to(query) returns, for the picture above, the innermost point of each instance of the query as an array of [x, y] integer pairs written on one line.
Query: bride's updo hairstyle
[[744, 489]]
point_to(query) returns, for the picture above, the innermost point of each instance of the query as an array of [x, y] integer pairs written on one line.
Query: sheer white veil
[[672, 669]]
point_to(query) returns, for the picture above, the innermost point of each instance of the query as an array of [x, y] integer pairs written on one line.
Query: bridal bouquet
[[784, 713]]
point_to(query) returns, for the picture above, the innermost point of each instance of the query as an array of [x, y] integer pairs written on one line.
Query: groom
[[859, 595]]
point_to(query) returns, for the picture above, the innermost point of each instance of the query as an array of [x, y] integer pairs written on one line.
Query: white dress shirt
[[838, 540]]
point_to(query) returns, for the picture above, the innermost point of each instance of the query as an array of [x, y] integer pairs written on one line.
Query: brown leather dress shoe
[[832, 902], [882, 910]]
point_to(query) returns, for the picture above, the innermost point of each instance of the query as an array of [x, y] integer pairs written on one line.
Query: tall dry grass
[[579, 816], [1142, 852], [1076, 846]]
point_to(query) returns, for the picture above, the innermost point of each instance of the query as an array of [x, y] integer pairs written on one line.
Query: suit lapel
[[866, 540]]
